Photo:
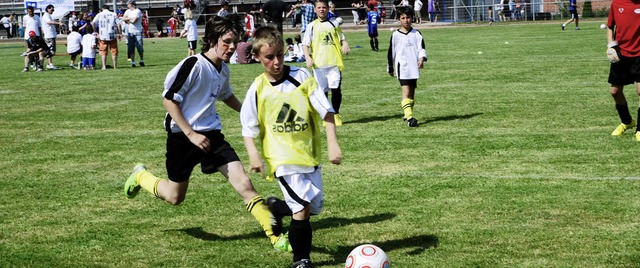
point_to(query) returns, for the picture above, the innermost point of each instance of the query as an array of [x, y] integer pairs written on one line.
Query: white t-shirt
[[74, 42], [72, 21], [31, 24], [88, 43], [196, 84], [192, 30], [405, 51], [49, 30], [107, 25], [5, 22], [417, 6], [135, 27]]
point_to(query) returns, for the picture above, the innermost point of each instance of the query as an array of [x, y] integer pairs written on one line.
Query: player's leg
[[334, 81], [114, 53], [140, 48], [620, 75], [301, 235], [408, 95], [638, 128], [131, 53], [371, 43], [103, 53], [255, 204], [375, 42], [577, 21]]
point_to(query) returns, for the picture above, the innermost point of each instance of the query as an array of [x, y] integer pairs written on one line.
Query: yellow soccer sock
[[407, 108], [148, 182], [261, 212]]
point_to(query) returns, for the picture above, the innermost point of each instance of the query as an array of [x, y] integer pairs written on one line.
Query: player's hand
[[613, 52], [257, 165], [345, 48], [335, 155], [421, 63], [200, 141], [309, 61]]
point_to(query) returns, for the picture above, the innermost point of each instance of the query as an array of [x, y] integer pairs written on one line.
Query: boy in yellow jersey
[[282, 109], [194, 129], [323, 44]]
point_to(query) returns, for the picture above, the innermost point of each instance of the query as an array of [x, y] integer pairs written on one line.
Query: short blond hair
[[188, 15], [266, 36]]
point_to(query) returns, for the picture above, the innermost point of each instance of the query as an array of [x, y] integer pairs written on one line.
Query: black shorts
[[574, 14], [409, 82], [51, 42], [192, 44], [183, 156], [75, 54], [625, 72]]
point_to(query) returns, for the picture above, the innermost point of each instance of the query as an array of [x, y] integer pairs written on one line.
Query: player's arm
[[613, 50], [251, 130], [422, 54], [345, 44], [306, 43], [233, 102], [390, 57], [176, 115], [335, 154], [322, 106]]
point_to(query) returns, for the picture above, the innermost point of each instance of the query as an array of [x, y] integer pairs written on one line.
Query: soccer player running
[[194, 128], [324, 40], [282, 109], [573, 11], [405, 58], [623, 37]]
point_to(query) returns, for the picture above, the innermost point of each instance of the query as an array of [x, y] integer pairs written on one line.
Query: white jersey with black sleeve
[[405, 49], [195, 84]]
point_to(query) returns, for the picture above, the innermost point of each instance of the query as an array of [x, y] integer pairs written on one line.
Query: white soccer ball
[[392, 29], [339, 20], [367, 256], [603, 26]]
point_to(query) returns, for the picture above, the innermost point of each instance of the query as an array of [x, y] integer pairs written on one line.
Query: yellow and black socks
[[300, 237], [261, 212], [407, 108], [148, 182]]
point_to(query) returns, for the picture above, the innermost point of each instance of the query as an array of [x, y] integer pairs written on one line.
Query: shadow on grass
[[332, 222], [449, 118], [418, 243], [398, 116]]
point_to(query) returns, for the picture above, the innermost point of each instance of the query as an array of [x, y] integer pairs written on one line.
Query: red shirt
[[173, 22], [625, 16]]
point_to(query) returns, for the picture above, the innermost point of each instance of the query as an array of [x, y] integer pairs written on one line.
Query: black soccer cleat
[[304, 263], [276, 224], [412, 122]]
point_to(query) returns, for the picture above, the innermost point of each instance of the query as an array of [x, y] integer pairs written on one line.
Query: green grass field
[[512, 164]]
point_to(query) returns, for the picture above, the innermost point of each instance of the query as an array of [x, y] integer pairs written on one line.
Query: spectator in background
[[417, 8], [173, 26], [296, 14], [362, 12], [355, 5], [73, 19], [249, 24], [83, 22], [36, 47], [109, 32], [6, 24], [224, 9], [159, 27], [431, 8], [308, 14], [190, 32], [74, 45], [50, 33], [145, 25], [274, 11], [31, 22], [135, 41]]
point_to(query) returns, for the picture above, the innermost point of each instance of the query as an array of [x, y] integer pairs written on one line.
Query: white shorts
[[302, 189], [328, 77]]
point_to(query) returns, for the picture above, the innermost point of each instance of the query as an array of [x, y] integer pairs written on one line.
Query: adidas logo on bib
[[289, 121]]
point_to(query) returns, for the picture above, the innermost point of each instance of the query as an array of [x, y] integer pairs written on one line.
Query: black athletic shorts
[[409, 82], [183, 156], [625, 72]]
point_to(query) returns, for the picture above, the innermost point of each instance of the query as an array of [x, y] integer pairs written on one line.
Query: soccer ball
[[603, 26], [339, 20], [367, 256], [392, 29]]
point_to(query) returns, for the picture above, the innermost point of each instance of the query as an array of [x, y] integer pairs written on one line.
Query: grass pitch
[[512, 164]]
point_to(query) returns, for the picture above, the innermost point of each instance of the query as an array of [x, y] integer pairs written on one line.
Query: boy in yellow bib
[[323, 45], [282, 109]]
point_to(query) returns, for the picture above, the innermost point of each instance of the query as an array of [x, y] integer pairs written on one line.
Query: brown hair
[[217, 26]]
